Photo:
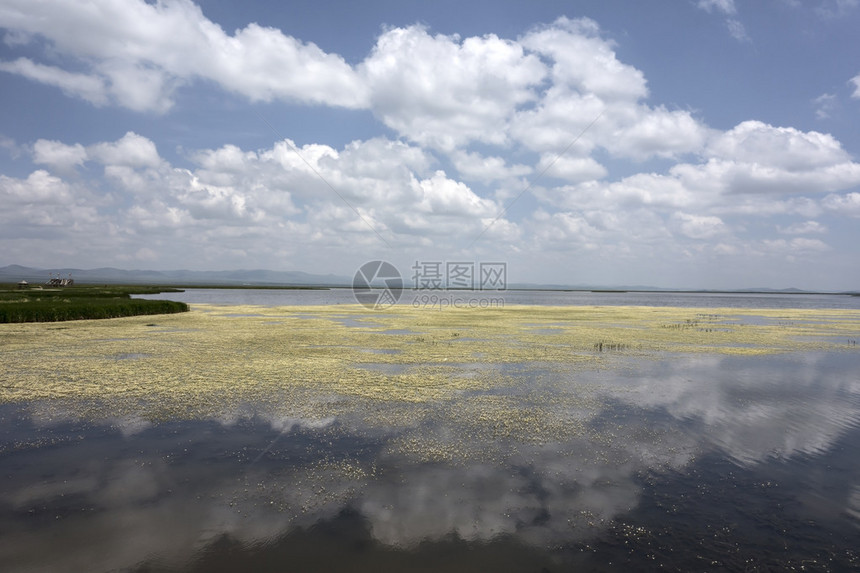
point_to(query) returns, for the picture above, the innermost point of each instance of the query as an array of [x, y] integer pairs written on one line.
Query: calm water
[[682, 462], [445, 299]]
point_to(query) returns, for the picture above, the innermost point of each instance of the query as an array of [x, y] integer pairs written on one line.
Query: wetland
[[533, 437]]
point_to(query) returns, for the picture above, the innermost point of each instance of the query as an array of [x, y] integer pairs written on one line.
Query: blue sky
[[675, 143]]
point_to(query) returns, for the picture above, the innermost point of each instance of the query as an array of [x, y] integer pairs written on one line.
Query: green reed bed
[[81, 303]]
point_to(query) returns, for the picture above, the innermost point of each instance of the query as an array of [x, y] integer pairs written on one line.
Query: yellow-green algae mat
[[306, 360]]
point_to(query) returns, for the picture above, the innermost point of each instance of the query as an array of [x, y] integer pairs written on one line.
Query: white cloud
[[641, 189], [856, 81], [725, 6], [39, 187], [442, 92], [445, 196], [847, 204], [755, 157], [595, 100], [234, 197], [799, 245], [641, 133], [572, 169], [11, 147], [803, 228], [737, 30], [132, 150], [59, 155], [736, 177], [138, 87], [784, 147], [767, 205], [43, 207], [698, 226], [560, 120], [556, 99], [752, 171], [138, 52], [728, 9], [584, 62], [476, 167], [825, 105], [86, 86]]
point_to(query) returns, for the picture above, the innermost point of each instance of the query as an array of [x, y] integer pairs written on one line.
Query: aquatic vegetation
[[81, 303], [313, 358], [529, 424]]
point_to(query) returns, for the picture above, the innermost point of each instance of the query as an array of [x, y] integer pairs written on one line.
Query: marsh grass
[[81, 303], [607, 345]]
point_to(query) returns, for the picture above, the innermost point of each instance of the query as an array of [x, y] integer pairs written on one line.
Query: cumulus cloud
[[584, 61], [137, 53], [476, 167], [642, 132], [300, 194], [785, 147], [755, 157], [39, 187], [43, 206], [132, 150], [59, 155], [476, 121], [572, 169], [442, 92]]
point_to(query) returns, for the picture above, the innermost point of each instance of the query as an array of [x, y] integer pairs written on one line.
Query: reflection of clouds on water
[[558, 484], [173, 494], [555, 463], [131, 425], [112, 512], [479, 502], [753, 408], [853, 507]]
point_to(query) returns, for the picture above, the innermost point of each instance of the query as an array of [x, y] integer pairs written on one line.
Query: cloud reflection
[[129, 492]]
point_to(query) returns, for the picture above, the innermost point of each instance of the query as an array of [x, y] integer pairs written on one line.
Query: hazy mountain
[[263, 277], [258, 277]]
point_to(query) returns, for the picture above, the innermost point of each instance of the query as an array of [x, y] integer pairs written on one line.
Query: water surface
[[628, 459]]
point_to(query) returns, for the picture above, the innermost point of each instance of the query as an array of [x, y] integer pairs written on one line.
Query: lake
[[293, 430], [288, 297]]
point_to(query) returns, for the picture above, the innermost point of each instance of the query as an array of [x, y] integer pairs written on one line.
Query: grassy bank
[[81, 303]]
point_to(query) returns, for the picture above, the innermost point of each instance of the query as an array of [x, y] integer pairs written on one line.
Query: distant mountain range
[[268, 278], [107, 275]]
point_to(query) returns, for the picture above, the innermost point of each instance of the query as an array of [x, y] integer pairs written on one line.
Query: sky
[[669, 143]]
